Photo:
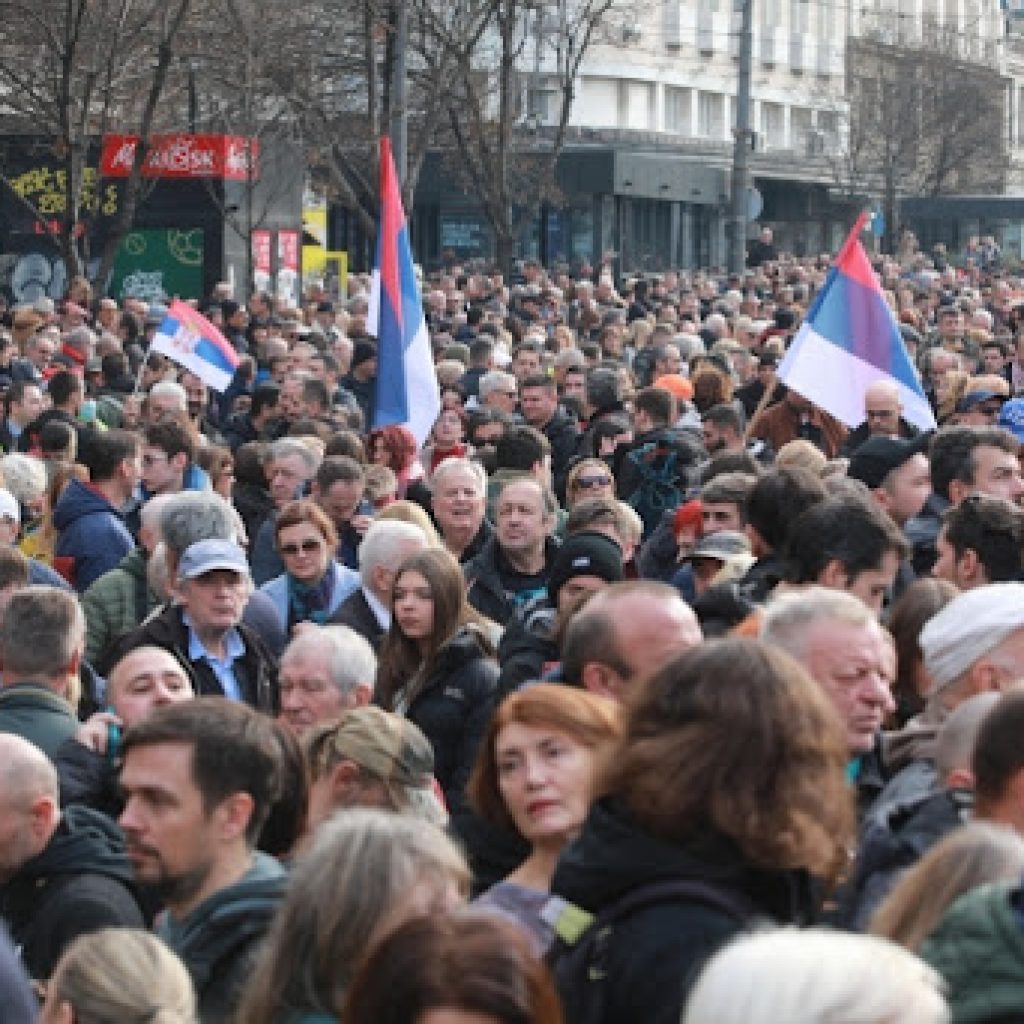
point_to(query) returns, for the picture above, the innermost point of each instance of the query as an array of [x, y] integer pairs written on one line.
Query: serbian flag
[[193, 342], [849, 340], [407, 389]]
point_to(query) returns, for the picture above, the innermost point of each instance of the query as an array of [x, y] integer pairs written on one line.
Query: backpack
[[579, 955], [657, 463]]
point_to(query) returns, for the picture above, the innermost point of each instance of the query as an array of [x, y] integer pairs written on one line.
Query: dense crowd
[[641, 689]]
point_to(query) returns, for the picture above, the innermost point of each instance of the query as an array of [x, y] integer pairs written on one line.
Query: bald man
[[144, 679], [624, 635], [882, 415], [61, 875]]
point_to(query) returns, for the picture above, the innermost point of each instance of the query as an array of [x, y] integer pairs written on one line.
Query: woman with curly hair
[[726, 796]]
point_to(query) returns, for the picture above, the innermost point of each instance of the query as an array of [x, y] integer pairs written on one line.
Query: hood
[[916, 740], [979, 949], [77, 501], [228, 919], [85, 842], [134, 563], [467, 645], [612, 855]]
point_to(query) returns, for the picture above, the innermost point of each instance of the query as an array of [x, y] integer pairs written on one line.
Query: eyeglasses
[[307, 547], [587, 483]]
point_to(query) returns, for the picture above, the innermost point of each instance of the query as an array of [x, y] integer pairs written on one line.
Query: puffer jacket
[[453, 707], [116, 603], [979, 949]]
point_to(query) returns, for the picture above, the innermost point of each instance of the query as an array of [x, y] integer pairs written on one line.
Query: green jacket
[[37, 714], [979, 949], [114, 605]]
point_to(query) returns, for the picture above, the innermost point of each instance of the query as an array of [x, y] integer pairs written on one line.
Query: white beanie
[[970, 626]]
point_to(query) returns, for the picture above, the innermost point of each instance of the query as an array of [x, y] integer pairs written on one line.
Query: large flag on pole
[[407, 390], [193, 342], [849, 340]]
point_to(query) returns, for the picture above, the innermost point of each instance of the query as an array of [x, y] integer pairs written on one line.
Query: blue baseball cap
[[1011, 416], [207, 555]]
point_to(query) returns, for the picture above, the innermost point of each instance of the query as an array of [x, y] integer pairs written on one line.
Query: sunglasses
[[587, 482], [307, 547]]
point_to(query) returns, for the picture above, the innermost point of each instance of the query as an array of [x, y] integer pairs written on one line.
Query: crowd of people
[[643, 688]]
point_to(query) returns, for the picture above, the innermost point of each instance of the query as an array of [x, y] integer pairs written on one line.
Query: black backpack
[[657, 464], [579, 955]]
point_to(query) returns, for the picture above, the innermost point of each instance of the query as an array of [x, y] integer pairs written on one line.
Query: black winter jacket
[[483, 578], [256, 669], [453, 708], [654, 954], [81, 882]]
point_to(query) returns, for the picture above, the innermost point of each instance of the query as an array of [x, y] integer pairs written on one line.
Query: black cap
[[585, 554], [877, 457]]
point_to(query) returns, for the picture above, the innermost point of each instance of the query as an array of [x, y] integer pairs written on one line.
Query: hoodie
[[79, 883], [217, 942], [92, 536]]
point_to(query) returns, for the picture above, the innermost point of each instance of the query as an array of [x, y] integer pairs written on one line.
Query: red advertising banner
[[288, 265], [183, 156], [261, 253]]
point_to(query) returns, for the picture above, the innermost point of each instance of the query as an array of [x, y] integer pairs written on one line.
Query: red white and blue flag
[[849, 340], [407, 389], [193, 342]]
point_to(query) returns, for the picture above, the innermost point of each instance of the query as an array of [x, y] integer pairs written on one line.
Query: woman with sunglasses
[[589, 478], [314, 583]]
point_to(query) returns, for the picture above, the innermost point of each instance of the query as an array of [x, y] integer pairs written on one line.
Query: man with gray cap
[[371, 758], [973, 645], [203, 628]]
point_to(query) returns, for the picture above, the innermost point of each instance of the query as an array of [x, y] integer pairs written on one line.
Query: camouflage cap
[[384, 744]]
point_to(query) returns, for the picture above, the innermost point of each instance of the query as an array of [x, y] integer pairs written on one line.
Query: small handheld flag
[[849, 340], [407, 389], [193, 342]]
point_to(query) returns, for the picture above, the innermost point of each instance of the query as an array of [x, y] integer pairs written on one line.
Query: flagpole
[[854, 236]]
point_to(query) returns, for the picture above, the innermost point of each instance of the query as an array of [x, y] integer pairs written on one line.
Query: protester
[[366, 872], [119, 976], [367, 610], [479, 969], [314, 584], [437, 666], [218, 763], [976, 854], [815, 977], [535, 774], [324, 672], [727, 797], [61, 874]]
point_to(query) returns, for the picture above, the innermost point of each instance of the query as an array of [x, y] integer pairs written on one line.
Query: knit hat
[[585, 554], [675, 384], [969, 627]]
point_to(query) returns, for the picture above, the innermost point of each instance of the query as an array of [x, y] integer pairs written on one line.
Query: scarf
[[310, 602]]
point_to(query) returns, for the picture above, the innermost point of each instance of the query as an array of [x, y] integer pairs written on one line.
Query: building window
[[711, 115], [800, 128], [677, 110], [773, 125]]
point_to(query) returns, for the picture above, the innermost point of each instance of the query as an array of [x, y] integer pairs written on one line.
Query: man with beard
[[199, 779]]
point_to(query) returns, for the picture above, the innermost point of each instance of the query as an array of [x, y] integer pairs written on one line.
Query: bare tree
[[925, 119], [74, 70], [508, 148]]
